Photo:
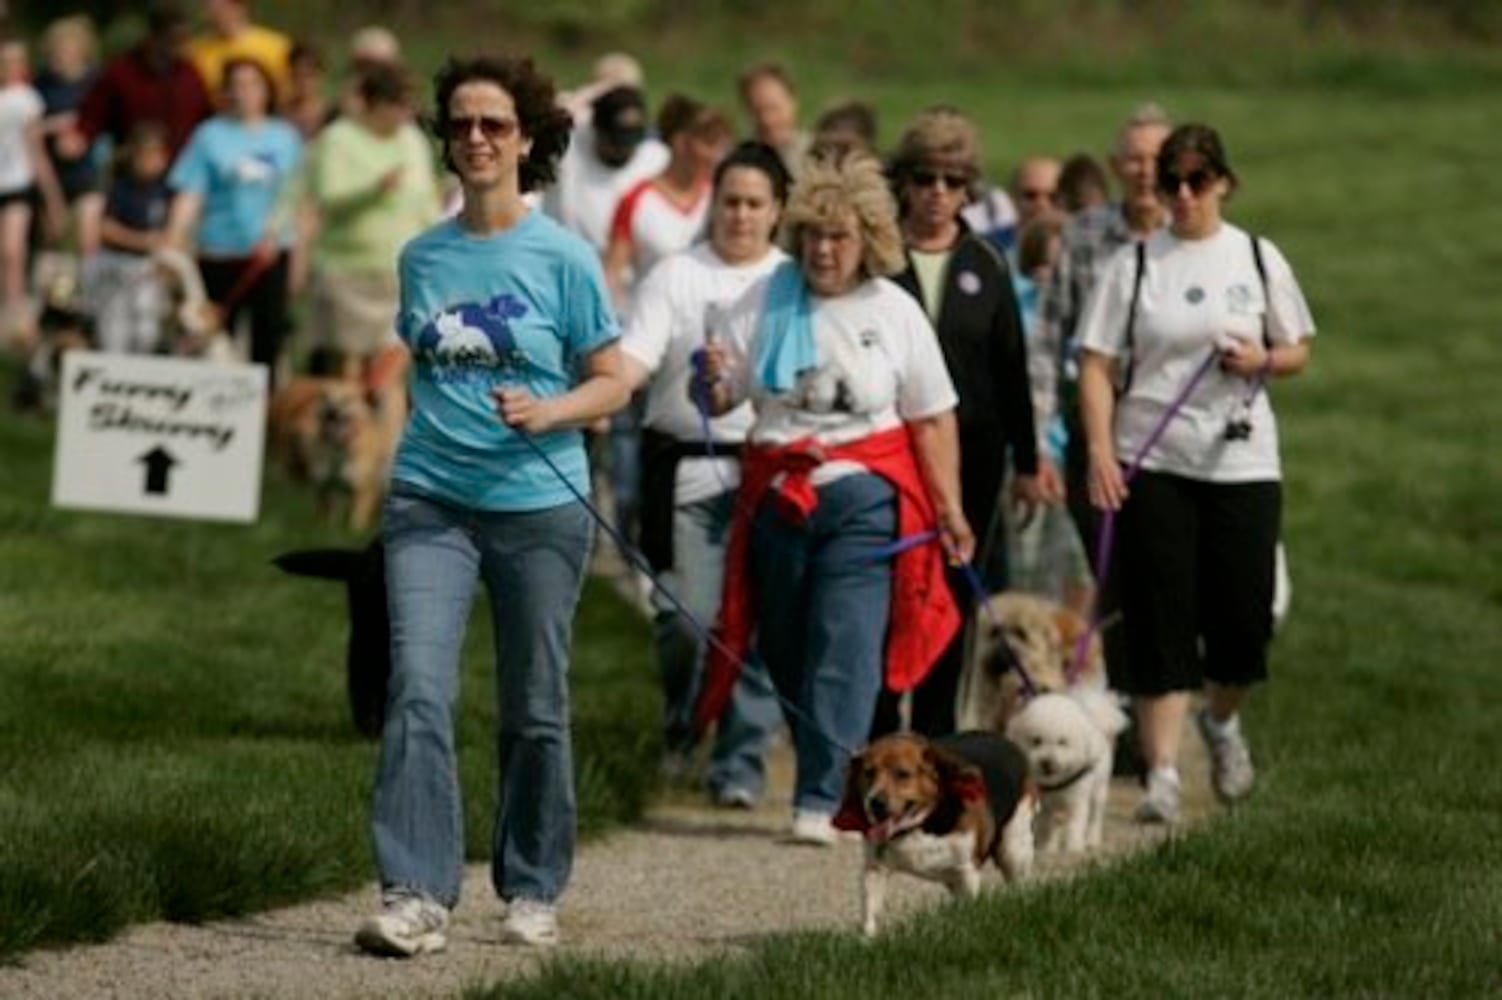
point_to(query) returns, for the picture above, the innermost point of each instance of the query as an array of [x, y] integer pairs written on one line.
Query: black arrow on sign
[[159, 463]]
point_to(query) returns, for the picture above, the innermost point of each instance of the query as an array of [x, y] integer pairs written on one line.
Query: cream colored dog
[[1017, 633], [1069, 742]]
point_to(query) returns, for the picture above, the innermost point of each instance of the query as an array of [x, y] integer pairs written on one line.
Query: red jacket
[[923, 617], [131, 91]]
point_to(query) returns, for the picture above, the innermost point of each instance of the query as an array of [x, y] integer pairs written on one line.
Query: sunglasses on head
[[928, 178], [1199, 180], [491, 128]]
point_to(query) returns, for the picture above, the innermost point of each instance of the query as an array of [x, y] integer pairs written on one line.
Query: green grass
[[164, 691], [174, 740], [1366, 865]]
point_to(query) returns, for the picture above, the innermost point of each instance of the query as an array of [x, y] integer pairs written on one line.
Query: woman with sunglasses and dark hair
[[514, 347], [963, 283], [1199, 523]]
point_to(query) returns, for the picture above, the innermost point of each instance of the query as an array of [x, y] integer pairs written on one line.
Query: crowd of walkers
[[838, 393]]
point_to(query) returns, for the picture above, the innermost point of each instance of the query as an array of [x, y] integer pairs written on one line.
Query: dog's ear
[[958, 778], [852, 812], [1071, 626]]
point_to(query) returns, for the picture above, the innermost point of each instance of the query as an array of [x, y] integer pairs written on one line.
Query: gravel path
[[685, 884]]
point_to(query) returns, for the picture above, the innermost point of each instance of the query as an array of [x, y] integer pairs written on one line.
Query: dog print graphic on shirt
[[845, 382], [471, 339]]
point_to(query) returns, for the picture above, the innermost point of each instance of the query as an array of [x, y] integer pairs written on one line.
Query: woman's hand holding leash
[[706, 386], [1246, 358], [521, 410], [955, 535], [1108, 489]]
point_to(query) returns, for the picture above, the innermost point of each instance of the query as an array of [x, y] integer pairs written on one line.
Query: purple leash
[[1107, 538]]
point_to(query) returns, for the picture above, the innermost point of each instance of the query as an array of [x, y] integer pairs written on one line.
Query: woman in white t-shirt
[[689, 467], [1200, 522], [666, 213], [25, 173], [850, 491]]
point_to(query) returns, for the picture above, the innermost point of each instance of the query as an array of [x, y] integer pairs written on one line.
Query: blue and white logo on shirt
[[471, 340]]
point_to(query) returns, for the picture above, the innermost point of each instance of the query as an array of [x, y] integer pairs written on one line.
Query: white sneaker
[[407, 925], [1160, 803], [813, 828], [530, 922], [1231, 770]]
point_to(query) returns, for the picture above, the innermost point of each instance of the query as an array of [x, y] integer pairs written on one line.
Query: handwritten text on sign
[[164, 436]]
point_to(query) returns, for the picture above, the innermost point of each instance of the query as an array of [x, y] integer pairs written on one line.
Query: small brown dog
[[938, 809], [1017, 631], [340, 436]]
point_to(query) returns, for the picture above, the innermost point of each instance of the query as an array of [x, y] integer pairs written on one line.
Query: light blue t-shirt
[[522, 307], [240, 171]]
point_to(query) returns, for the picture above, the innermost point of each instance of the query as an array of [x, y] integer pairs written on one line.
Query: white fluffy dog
[[1069, 740]]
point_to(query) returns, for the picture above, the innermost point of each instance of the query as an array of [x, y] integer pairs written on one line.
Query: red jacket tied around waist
[[923, 618]]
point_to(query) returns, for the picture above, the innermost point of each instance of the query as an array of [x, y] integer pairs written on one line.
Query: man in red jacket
[[150, 83]]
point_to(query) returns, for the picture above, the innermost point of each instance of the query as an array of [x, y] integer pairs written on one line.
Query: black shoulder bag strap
[[1125, 382], [1267, 302]]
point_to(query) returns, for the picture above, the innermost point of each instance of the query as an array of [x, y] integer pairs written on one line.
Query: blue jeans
[[700, 532], [532, 564], [625, 466], [822, 603]]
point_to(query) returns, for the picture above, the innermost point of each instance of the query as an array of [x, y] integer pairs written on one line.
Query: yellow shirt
[[209, 53]]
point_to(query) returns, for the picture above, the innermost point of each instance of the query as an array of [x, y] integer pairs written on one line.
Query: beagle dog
[[938, 810]]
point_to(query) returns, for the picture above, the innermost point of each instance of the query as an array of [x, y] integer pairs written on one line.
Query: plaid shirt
[[1090, 239]]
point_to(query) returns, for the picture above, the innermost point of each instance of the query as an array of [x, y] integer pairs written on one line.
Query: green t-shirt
[[929, 266], [362, 226]]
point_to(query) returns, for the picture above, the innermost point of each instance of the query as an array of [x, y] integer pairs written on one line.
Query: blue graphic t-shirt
[[240, 172], [522, 307]]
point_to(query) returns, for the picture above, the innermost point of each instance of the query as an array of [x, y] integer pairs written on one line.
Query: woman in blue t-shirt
[[514, 349], [232, 204]]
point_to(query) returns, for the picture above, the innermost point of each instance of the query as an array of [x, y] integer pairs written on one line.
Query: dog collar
[[1059, 786]]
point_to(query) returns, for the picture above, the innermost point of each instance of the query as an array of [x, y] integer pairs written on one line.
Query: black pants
[[1197, 576], [264, 297]]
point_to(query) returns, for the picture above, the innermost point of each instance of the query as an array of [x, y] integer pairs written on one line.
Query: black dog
[[368, 661]]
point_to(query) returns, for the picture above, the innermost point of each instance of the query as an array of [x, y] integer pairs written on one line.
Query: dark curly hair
[[537, 111]]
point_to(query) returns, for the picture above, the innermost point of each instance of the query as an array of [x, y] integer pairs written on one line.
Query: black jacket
[[980, 332]]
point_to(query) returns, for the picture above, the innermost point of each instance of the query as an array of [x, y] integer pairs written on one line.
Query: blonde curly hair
[[829, 188]]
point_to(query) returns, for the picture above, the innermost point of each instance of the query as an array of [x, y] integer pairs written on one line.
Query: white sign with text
[[170, 437]]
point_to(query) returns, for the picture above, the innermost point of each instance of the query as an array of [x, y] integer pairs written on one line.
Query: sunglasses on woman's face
[[1199, 181], [928, 178], [460, 129]]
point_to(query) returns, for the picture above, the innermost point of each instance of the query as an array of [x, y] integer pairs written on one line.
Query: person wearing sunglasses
[[1198, 525], [849, 500], [610, 153], [965, 287], [1035, 188], [514, 348]]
